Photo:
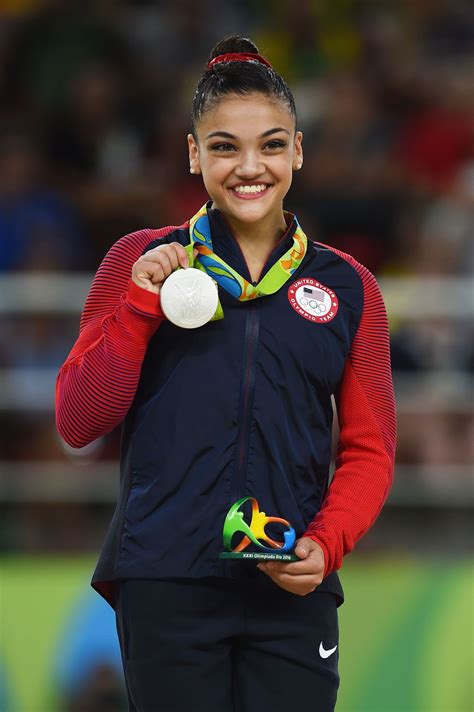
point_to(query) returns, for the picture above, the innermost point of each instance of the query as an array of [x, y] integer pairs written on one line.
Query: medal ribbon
[[230, 280]]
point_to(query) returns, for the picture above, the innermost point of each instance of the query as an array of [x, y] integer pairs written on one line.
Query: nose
[[249, 166]]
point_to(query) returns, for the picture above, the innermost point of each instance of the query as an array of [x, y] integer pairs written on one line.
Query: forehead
[[249, 115]]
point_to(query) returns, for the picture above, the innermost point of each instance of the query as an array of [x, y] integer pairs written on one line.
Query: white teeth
[[250, 188]]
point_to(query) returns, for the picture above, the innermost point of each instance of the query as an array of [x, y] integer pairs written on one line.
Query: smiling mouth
[[250, 192]]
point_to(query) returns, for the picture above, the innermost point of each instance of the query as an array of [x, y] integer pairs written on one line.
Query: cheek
[[213, 179], [213, 173], [284, 171]]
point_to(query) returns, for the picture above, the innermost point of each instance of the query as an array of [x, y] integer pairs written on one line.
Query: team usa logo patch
[[313, 300]]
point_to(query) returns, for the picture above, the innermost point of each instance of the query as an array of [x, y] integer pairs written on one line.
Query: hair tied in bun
[[239, 57], [235, 67]]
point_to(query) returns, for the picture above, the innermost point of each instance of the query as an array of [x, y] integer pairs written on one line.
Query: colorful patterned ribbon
[[230, 280]]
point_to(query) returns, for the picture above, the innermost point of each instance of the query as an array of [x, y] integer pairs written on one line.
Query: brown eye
[[222, 147], [275, 143]]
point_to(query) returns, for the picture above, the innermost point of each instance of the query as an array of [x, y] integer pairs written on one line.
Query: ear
[[194, 164], [298, 151]]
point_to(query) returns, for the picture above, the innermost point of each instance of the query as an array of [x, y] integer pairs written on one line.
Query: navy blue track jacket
[[238, 407]]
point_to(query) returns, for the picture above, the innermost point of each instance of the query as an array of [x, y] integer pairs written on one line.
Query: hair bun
[[235, 67], [232, 44]]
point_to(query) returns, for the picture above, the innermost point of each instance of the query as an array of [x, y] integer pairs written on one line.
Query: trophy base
[[255, 555]]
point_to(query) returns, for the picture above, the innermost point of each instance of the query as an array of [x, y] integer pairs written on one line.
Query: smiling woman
[[236, 406]]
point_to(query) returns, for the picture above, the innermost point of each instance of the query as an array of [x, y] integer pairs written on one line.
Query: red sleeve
[[97, 383], [367, 438]]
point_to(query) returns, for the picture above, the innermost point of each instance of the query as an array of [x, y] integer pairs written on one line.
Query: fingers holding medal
[[188, 296], [152, 268]]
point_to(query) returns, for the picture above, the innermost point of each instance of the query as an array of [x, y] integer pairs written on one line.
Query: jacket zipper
[[251, 342]]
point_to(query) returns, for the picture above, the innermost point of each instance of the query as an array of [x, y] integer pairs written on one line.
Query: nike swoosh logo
[[326, 653]]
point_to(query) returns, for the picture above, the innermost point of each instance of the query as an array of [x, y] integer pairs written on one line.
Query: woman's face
[[247, 150]]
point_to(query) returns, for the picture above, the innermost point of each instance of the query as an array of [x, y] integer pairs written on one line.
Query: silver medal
[[189, 297]]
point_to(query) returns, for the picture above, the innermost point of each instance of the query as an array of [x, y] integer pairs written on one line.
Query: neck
[[258, 237]]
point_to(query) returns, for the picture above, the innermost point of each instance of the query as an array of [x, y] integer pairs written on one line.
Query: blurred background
[[94, 111]]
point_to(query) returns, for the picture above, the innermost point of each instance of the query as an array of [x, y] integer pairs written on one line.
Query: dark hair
[[237, 77]]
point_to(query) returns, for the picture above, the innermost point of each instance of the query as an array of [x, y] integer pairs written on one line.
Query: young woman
[[239, 407]]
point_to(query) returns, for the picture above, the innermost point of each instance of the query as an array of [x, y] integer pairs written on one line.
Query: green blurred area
[[406, 631]]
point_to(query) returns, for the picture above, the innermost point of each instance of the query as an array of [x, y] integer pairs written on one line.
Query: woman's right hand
[[152, 268]]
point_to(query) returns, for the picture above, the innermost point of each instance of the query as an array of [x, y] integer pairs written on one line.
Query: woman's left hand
[[300, 577]]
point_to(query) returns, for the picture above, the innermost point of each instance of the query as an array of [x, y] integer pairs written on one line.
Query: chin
[[251, 213]]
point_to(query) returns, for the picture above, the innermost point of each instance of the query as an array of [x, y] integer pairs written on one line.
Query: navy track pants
[[224, 645]]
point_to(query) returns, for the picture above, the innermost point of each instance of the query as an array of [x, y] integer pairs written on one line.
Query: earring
[[191, 170]]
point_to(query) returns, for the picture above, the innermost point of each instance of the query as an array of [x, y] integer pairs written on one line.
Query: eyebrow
[[225, 134]]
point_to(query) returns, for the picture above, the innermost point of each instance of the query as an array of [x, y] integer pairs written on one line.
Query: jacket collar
[[227, 247]]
